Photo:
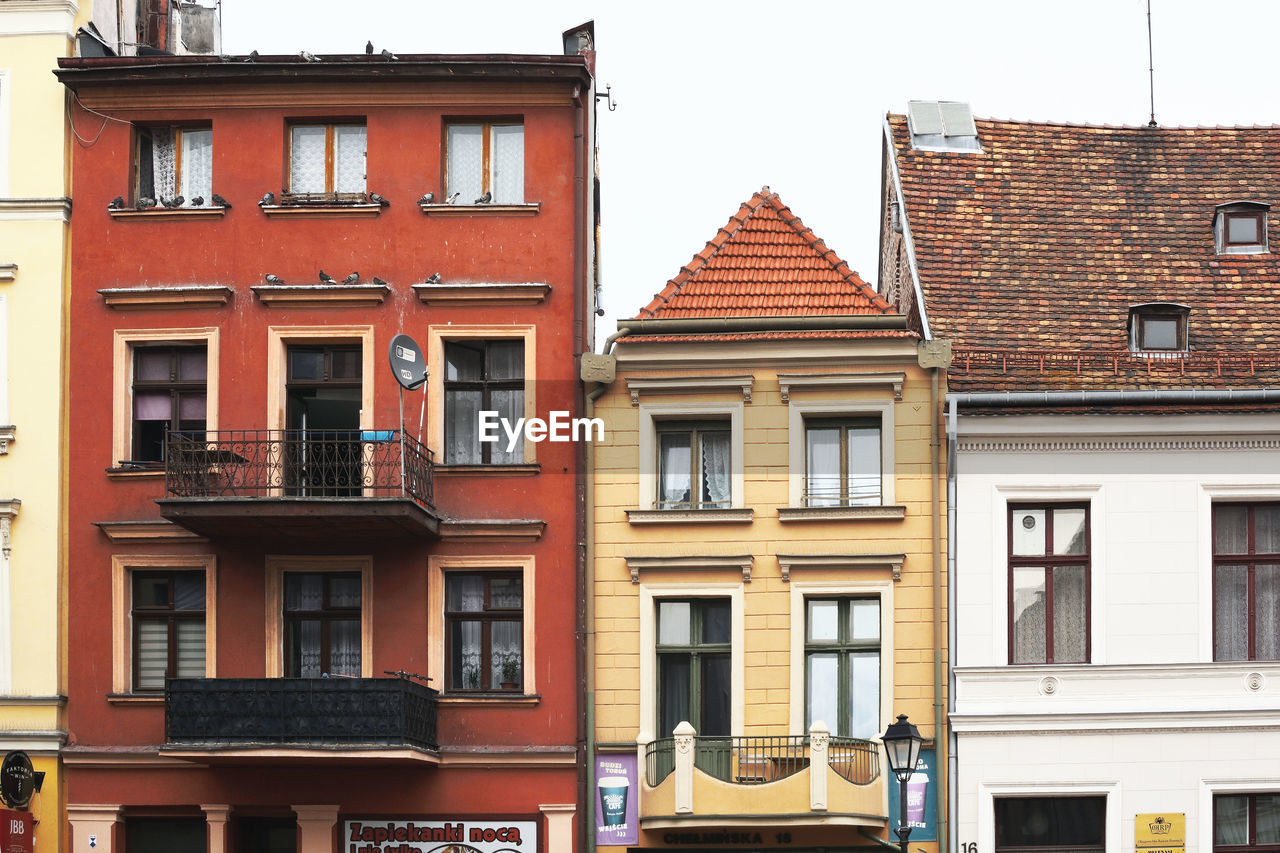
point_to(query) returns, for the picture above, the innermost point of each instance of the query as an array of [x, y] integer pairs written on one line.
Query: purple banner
[[616, 799]]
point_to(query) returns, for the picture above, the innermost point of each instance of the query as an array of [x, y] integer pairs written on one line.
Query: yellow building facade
[[768, 552]]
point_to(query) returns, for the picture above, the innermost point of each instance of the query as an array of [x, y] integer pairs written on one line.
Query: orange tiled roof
[[765, 263], [1041, 243]]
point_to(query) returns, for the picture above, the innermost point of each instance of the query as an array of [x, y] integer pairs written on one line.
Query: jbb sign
[[16, 832]]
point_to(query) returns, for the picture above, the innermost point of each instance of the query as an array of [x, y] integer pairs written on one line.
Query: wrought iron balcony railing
[[314, 712], [755, 760], [298, 464]]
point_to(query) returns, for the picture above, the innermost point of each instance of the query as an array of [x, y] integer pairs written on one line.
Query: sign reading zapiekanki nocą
[[379, 835]]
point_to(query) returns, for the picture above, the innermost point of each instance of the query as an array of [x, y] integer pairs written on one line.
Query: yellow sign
[[1164, 832]]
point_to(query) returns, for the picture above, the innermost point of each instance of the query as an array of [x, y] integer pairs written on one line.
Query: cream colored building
[[768, 547]]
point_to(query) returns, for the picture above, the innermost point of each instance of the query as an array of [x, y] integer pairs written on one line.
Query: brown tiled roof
[[765, 263], [1040, 244]]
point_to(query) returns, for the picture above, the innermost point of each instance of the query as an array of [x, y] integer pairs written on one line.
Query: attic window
[[942, 126], [1240, 228], [1158, 327]]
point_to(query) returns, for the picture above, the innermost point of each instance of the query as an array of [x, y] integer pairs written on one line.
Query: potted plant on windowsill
[[510, 671]]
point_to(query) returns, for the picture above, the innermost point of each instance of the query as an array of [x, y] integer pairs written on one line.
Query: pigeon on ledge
[[378, 200], [427, 198], [351, 279], [269, 198], [325, 277], [221, 202], [274, 279]]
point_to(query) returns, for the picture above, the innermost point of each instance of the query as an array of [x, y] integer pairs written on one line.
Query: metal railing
[[300, 711], [756, 760], [298, 463]]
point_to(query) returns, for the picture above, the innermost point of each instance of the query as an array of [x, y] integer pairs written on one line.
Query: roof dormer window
[[1240, 228], [1158, 327]]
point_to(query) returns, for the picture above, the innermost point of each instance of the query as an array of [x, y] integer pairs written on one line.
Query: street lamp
[[902, 745]]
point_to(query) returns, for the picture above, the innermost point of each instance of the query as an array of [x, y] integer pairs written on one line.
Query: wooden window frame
[[486, 151], [696, 649], [326, 616], [843, 646], [695, 429], [147, 132], [174, 385], [1260, 217], [1252, 845], [487, 615], [844, 424], [1141, 318], [486, 387], [1250, 560], [276, 568], [329, 195], [1048, 562], [170, 615]]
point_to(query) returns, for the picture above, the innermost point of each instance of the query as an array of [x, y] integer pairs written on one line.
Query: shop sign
[[922, 799], [1160, 832], [16, 832], [17, 779], [378, 835], [615, 799]]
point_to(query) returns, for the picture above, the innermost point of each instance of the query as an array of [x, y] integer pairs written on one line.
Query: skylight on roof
[[942, 126]]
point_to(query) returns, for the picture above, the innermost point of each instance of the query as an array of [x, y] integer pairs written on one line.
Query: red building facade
[[310, 610]]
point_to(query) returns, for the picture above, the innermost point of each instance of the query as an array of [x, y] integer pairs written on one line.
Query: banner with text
[[377, 835], [616, 796]]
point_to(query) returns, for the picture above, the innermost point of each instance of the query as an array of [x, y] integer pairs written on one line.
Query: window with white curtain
[[327, 162], [485, 157], [842, 462], [174, 162], [694, 470], [1246, 822], [484, 631], [1049, 583], [322, 624], [168, 616], [1246, 581], [483, 376]]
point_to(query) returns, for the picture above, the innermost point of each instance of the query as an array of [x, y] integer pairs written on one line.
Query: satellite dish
[[407, 363]]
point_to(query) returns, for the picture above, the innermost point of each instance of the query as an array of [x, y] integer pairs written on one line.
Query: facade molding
[[709, 563], [321, 295], [482, 293], [840, 382], [38, 17], [1114, 445], [788, 563], [185, 296], [530, 209], [35, 209], [699, 385]]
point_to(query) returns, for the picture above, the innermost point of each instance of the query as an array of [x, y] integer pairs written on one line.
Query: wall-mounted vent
[[942, 126]]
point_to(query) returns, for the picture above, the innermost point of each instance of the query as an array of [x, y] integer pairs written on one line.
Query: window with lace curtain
[[694, 469], [168, 618], [1246, 581], [322, 624], [484, 631], [327, 162], [172, 163], [1049, 583], [482, 376], [485, 157]]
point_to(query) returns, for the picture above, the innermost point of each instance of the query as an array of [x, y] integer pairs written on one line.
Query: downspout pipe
[[940, 719], [953, 758], [581, 475]]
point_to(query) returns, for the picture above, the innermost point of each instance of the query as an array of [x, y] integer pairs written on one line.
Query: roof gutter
[[1174, 396], [906, 231], [700, 325]]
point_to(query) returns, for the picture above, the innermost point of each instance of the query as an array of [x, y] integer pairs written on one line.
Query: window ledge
[[8, 273], [521, 293], [321, 210], [135, 698], [213, 212], [530, 209], [129, 473], [145, 298], [493, 529], [1244, 250], [321, 295], [8, 435], [691, 516], [487, 470], [841, 513], [491, 699], [146, 531]]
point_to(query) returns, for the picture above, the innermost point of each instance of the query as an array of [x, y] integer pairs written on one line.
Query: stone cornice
[[483, 293], [155, 298], [530, 209], [321, 295], [35, 209], [690, 563], [839, 382], [700, 384], [1113, 445], [788, 563], [38, 17], [126, 213]]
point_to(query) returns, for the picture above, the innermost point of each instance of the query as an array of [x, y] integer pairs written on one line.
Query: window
[[484, 630], [1051, 824], [322, 633], [173, 162], [327, 162], [842, 462], [483, 376], [842, 665], [1049, 584], [168, 617], [486, 158], [165, 835], [1246, 822], [169, 393], [694, 470], [1240, 228], [266, 834], [323, 397], [1157, 327], [694, 671], [1246, 581]]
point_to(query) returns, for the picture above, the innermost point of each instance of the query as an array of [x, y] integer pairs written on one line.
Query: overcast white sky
[[716, 99]]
